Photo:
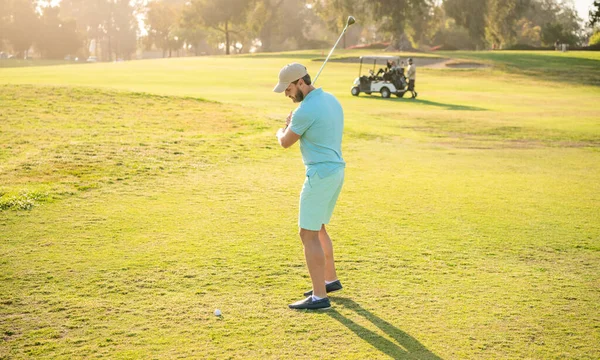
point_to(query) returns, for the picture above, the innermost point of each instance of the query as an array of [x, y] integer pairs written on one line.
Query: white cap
[[290, 72]]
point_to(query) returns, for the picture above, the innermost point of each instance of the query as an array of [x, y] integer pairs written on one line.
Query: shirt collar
[[317, 90]]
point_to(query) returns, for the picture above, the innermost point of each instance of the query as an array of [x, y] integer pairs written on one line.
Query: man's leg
[[315, 260], [327, 246]]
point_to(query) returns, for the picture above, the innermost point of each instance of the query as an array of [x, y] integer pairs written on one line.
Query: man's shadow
[[404, 347], [445, 106]]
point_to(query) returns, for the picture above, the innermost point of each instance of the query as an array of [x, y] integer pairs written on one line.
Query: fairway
[[138, 197]]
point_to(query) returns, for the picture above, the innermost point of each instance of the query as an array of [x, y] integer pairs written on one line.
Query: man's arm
[[287, 137]]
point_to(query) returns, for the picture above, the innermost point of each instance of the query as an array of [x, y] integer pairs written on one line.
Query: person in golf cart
[[393, 73], [391, 69], [384, 71]]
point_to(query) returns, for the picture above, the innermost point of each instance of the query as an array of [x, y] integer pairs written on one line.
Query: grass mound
[[60, 141], [577, 68]]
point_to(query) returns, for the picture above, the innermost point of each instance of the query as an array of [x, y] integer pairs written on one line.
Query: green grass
[[136, 198], [320, 55], [574, 67], [10, 63]]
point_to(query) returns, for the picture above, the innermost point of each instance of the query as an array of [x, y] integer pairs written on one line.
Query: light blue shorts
[[318, 199]]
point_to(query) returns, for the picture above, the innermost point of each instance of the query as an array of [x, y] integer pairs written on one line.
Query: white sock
[[316, 298], [329, 282]]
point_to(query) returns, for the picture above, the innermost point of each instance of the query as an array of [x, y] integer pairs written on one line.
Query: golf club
[[349, 22]]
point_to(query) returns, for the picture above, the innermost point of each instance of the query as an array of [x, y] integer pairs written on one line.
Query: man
[[411, 74], [318, 122]]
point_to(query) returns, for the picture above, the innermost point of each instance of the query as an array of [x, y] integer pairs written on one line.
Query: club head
[[350, 20]]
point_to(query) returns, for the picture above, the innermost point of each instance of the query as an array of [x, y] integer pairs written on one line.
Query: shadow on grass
[[445, 106], [404, 347]]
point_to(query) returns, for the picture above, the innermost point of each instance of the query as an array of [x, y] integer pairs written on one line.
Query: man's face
[[294, 93]]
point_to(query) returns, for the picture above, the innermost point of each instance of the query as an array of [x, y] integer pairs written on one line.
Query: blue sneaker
[[334, 286], [310, 304]]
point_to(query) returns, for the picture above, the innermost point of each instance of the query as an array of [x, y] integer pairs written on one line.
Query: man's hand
[[280, 133], [286, 137]]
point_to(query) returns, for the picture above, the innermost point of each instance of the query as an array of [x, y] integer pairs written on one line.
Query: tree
[[527, 32], [469, 14], [393, 16], [595, 38], [162, 21], [595, 13], [451, 36], [335, 14], [121, 29], [57, 37], [193, 35], [111, 24], [4, 18], [285, 24], [267, 21], [223, 16], [264, 21], [557, 20], [501, 18], [21, 29], [420, 21], [91, 17]]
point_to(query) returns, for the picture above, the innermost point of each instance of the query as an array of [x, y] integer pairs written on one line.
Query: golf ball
[[217, 312]]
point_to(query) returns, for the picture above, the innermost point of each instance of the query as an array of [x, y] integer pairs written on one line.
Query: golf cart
[[388, 80]]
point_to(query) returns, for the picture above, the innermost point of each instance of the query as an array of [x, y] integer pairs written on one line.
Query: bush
[[526, 47], [595, 47], [520, 47], [453, 36], [23, 201], [594, 39]]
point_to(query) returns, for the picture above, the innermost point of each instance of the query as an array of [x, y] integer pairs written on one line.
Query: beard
[[298, 97]]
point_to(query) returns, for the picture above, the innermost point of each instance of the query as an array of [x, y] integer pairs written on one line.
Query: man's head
[[294, 81], [410, 61]]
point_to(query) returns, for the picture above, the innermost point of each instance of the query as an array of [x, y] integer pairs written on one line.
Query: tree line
[[110, 29], [70, 28]]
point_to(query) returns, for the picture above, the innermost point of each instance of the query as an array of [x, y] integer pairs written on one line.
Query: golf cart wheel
[[385, 93], [355, 91]]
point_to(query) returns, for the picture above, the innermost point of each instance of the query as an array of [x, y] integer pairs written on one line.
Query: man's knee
[[323, 231], [308, 235]]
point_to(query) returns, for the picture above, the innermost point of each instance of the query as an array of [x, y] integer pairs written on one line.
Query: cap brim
[[280, 87]]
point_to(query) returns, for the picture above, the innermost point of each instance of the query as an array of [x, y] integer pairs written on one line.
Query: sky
[[583, 8]]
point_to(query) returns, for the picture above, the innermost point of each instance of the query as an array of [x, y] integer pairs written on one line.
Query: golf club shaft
[[331, 52]]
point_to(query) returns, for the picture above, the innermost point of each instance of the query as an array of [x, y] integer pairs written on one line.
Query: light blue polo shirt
[[319, 120]]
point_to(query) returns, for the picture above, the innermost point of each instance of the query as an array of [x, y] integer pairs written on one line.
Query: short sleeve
[[301, 121]]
